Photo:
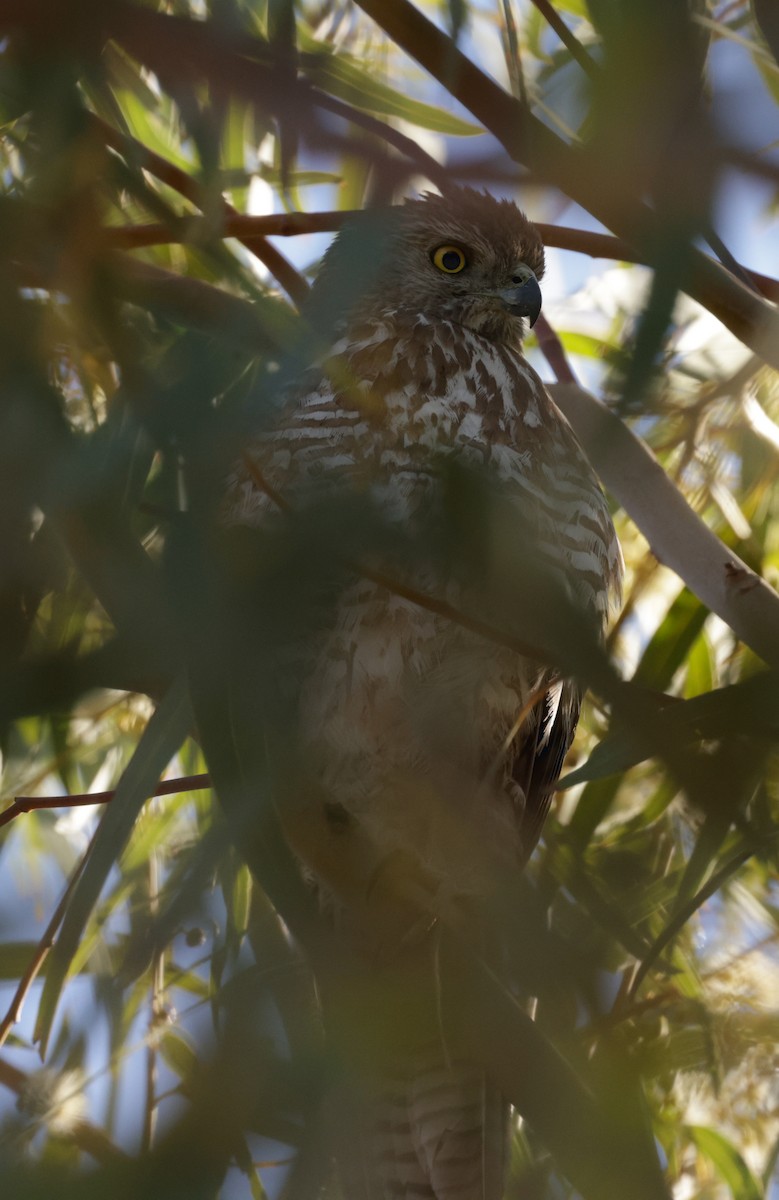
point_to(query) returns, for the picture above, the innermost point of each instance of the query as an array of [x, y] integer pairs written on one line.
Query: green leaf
[[594, 802], [188, 981], [255, 1183], [145, 127], [125, 74], [614, 755], [178, 1055], [770, 78], [672, 641], [728, 1164], [344, 78], [241, 899], [588, 346], [700, 676], [161, 739]]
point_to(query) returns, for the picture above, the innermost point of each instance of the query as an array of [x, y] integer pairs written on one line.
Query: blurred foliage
[[175, 1012]]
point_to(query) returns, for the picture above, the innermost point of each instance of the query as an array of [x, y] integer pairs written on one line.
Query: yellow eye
[[449, 259]]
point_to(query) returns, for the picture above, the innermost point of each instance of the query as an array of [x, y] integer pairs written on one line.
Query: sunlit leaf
[[179, 1055], [728, 1164], [671, 643], [344, 78], [161, 739], [641, 932]]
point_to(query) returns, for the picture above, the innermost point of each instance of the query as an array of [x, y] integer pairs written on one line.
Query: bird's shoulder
[[396, 389], [397, 362]]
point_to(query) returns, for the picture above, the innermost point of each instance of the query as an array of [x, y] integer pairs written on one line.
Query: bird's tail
[[430, 1130]]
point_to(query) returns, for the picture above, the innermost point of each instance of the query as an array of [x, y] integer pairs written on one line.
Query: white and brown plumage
[[404, 713]]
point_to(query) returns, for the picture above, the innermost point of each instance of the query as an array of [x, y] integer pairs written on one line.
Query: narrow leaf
[[179, 1055], [161, 739], [728, 1164]]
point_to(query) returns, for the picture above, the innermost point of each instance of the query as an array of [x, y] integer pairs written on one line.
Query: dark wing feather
[[539, 762]]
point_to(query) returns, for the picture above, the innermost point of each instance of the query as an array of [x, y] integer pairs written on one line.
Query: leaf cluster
[[148, 324]]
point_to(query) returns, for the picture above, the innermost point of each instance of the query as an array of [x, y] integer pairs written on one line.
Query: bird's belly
[[403, 719]]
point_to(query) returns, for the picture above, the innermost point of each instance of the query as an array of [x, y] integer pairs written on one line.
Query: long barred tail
[[430, 1131]]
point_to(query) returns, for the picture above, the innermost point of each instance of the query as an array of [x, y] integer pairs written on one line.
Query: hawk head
[[464, 257]]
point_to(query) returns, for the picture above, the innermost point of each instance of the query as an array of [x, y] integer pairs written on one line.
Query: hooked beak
[[524, 300]]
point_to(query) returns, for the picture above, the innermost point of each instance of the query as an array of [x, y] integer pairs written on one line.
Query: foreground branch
[[181, 50], [676, 534], [255, 241], [527, 140], [292, 224], [26, 804]]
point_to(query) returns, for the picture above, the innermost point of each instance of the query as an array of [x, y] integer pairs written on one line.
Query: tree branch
[[40, 954], [291, 280], [677, 535], [571, 43], [552, 349], [292, 224], [26, 804], [182, 49], [571, 168]]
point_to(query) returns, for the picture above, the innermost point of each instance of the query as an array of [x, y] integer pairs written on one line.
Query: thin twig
[[571, 43], [45, 944], [729, 261], [291, 280], [32, 803], [168, 787], [512, 54], [680, 919], [235, 225], [244, 227], [526, 139], [157, 985], [552, 349]]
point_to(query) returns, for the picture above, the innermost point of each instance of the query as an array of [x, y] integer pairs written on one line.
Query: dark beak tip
[[526, 301]]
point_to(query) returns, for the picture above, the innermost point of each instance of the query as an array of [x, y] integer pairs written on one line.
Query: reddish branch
[[291, 280], [192, 229], [23, 804], [245, 228], [552, 349], [168, 787], [571, 168], [40, 955], [184, 51]]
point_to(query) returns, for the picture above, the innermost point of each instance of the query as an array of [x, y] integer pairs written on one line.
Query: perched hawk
[[440, 744]]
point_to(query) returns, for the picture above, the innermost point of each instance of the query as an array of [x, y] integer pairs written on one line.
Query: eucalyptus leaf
[[164, 734]]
